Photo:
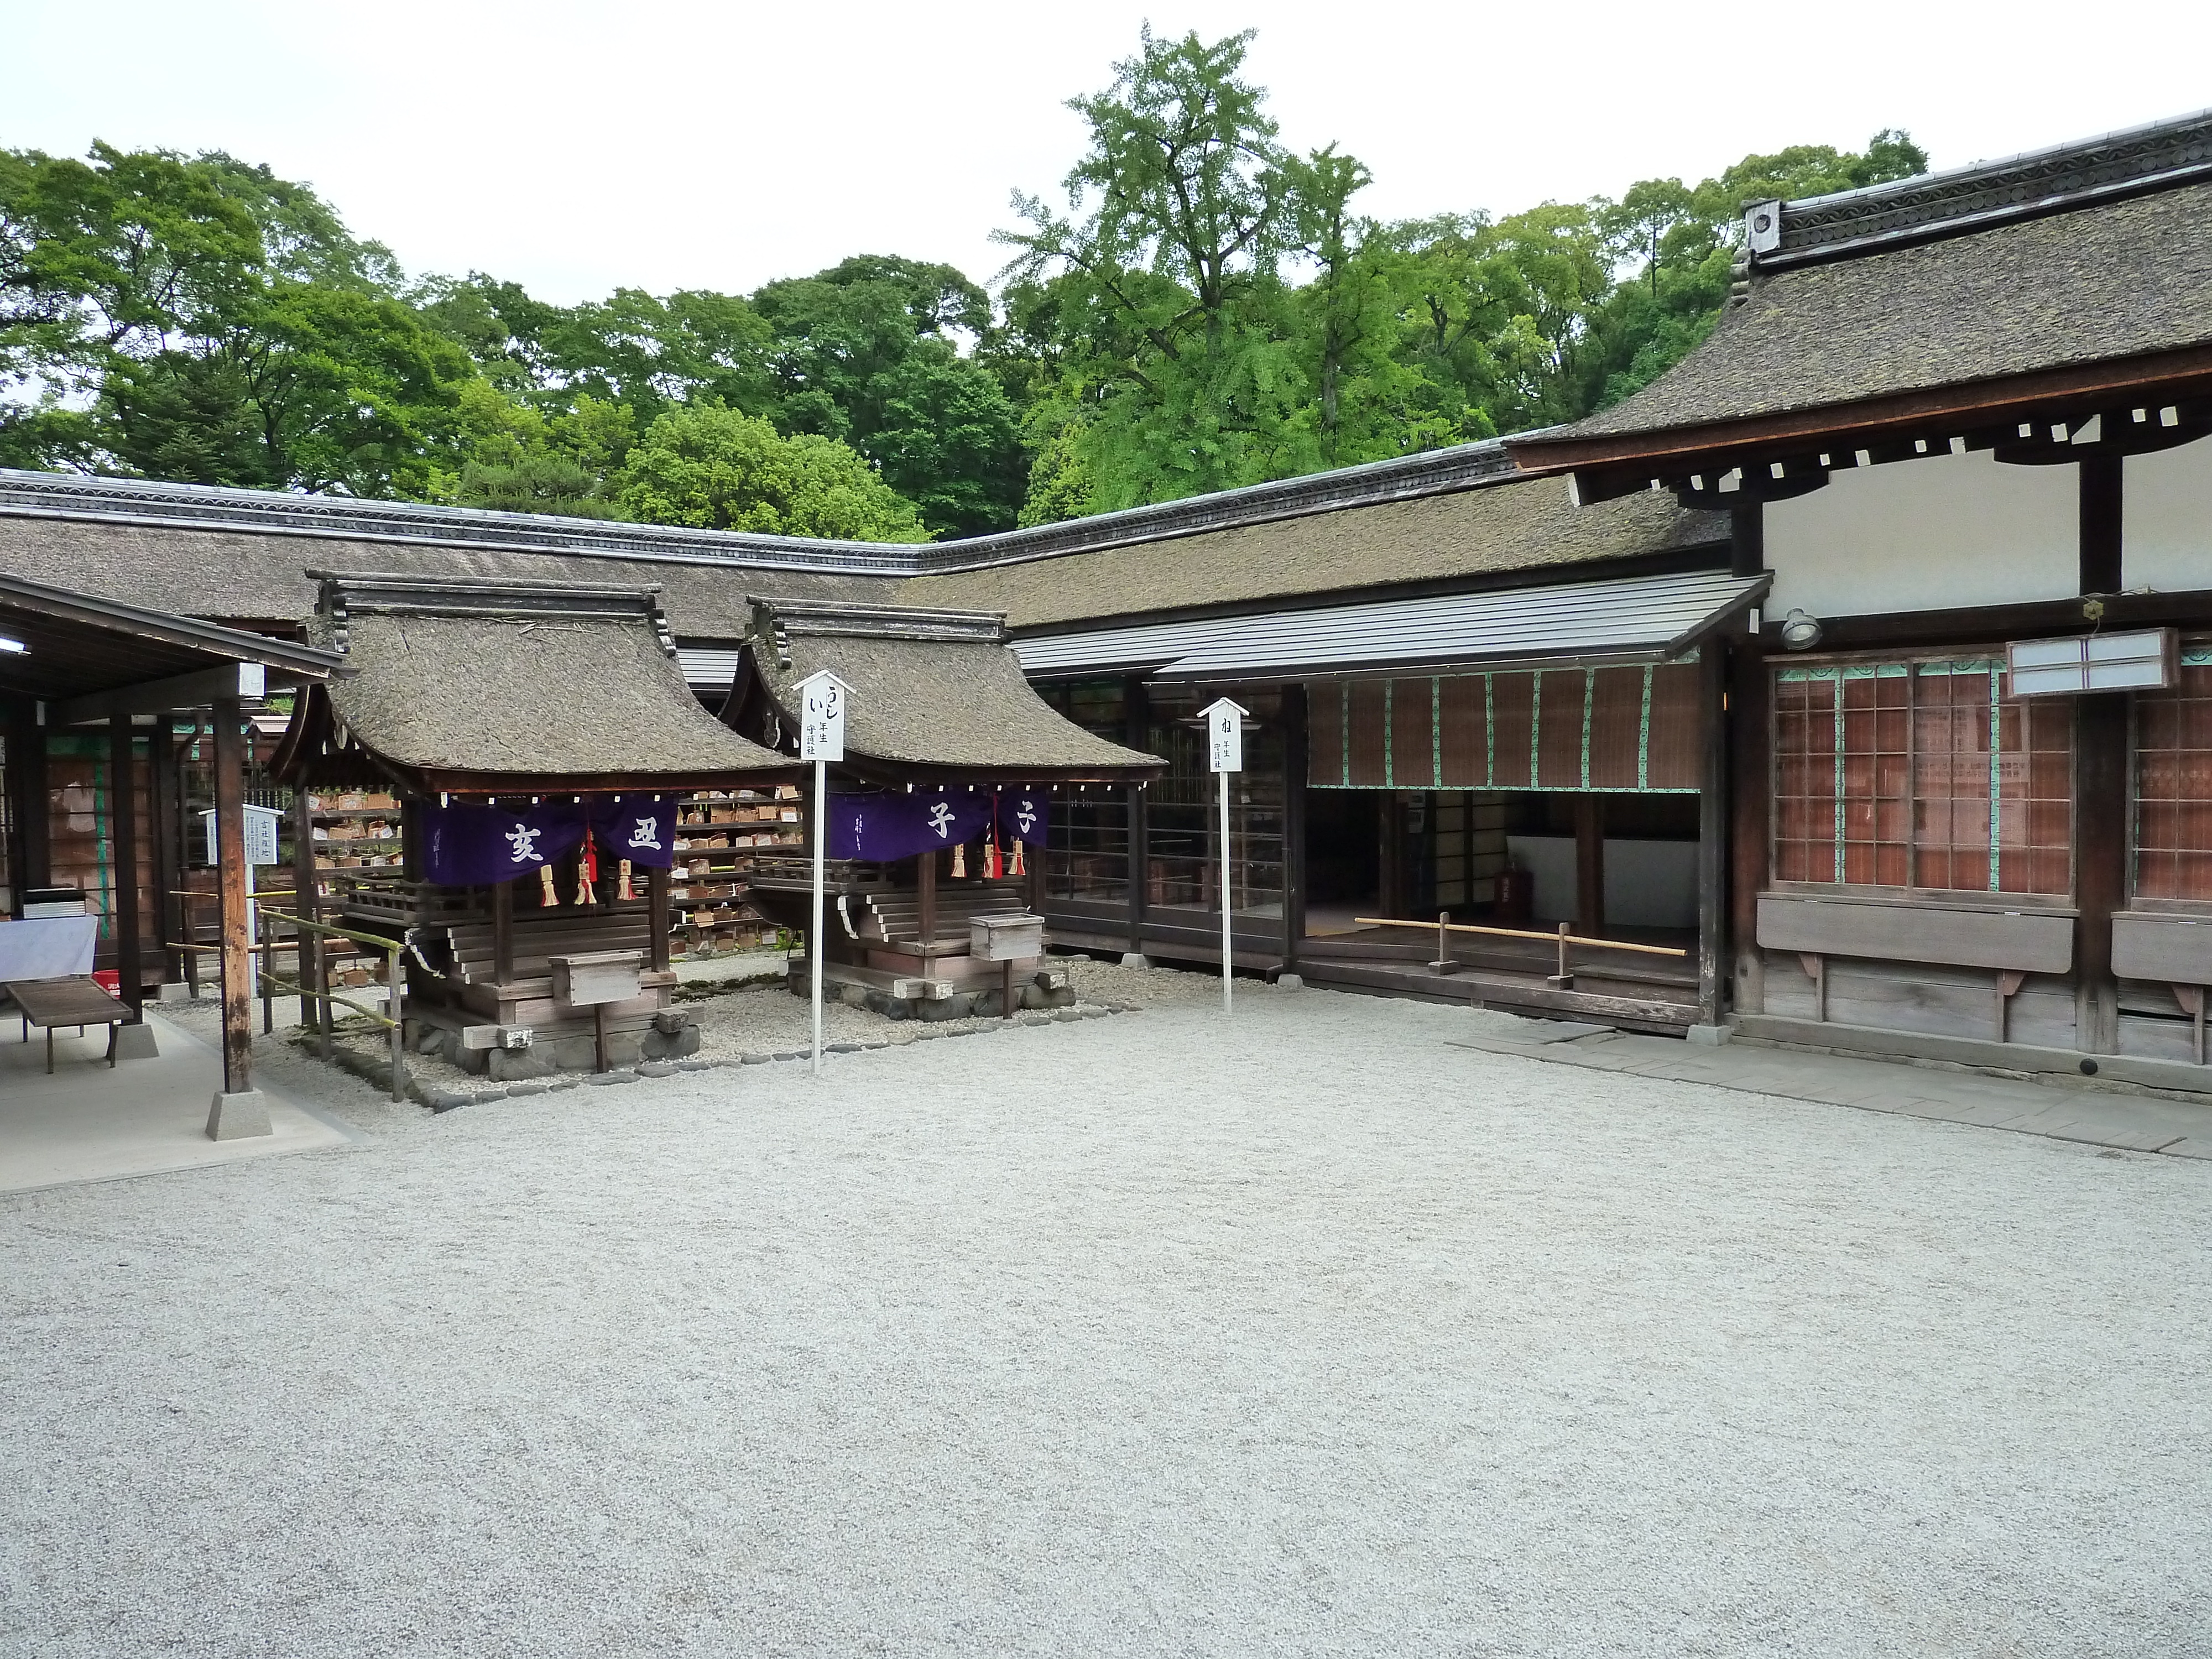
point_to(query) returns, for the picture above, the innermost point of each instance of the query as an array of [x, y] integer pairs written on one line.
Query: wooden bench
[[78, 1001]]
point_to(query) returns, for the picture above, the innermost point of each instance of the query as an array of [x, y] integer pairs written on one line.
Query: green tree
[[1169, 263], [717, 468]]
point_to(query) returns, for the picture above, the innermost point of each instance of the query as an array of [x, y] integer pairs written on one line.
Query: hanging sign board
[[1224, 737], [260, 835], [2148, 660], [821, 717]]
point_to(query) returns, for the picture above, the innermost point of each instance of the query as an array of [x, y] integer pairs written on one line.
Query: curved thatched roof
[[464, 684], [933, 693]]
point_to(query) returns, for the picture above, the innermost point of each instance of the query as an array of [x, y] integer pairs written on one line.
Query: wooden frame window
[[2172, 767], [1920, 774]]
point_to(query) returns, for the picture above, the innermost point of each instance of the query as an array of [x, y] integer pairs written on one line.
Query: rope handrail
[[1562, 936]]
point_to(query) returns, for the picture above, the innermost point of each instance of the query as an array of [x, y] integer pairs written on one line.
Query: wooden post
[[657, 884], [306, 944], [1712, 834], [29, 820], [925, 875], [230, 837], [1137, 733], [1294, 823], [123, 872], [163, 787], [1589, 865], [2100, 780], [1750, 792], [502, 927], [1390, 875]]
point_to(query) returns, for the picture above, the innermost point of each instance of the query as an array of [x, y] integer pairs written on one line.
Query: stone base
[[174, 990], [235, 1117], [1710, 1036], [1135, 959], [1289, 982], [136, 1042]]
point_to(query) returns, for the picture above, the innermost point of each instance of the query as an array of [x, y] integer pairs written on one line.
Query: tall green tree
[[716, 468]]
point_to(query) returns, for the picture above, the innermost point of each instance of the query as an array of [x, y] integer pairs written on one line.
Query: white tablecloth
[[48, 947]]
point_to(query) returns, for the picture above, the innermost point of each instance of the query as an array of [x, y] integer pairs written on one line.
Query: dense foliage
[[1208, 309]]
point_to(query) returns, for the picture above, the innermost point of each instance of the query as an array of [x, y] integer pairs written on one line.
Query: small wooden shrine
[[540, 737], [941, 811]]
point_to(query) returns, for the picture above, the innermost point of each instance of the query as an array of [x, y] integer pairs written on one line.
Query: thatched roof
[[1506, 526], [483, 685], [933, 694], [2085, 254]]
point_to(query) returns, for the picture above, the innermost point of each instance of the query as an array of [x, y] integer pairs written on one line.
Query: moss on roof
[[2116, 279]]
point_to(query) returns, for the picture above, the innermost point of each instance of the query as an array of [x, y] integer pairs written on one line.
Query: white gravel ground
[[1308, 1335]]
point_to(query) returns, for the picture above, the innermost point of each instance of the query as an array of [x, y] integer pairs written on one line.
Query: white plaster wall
[[1648, 883], [2166, 519], [1938, 534]]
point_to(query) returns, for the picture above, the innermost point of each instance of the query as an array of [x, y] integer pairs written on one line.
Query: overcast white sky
[[577, 147]]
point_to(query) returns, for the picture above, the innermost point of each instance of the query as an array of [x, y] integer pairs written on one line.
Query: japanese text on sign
[[822, 719]]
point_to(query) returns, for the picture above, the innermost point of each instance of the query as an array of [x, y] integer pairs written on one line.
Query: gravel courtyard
[[1307, 1334]]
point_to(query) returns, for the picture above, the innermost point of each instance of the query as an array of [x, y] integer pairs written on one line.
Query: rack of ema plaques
[[927, 913], [556, 959]]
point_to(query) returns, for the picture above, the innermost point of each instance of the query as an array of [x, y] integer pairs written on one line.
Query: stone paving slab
[[2173, 1128]]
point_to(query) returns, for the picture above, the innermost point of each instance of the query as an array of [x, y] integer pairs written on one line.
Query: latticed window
[[2173, 784], [1921, 774]]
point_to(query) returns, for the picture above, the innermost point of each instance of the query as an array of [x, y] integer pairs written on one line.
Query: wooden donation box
[[593, 980], [1005, 940]]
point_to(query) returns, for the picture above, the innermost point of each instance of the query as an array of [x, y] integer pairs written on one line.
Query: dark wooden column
[[29, 862], [658, 880], [1294, 823], [123, 870], [1137, 733], [1390, 874], [308, 946], [1750, 798], [502, 929], [1589, 865], [2100, 781], [230, 859], [163, 784], [1747, 540], [1712, 834], [925, 881]]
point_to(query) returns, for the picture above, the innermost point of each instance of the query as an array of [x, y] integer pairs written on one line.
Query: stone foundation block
[[236, 1117]]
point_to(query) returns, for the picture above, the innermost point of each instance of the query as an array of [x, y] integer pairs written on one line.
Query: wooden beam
[[29, 813], [2101, 783], [194, 690], [123, 864], [230, 861], [163, 787], [658, 880], [502, 933]]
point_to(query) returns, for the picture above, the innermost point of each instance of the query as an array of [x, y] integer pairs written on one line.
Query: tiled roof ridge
[[2156, 155], [133, 500]]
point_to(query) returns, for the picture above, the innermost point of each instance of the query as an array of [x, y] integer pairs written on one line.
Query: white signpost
[[1225, 753], [821, 739]]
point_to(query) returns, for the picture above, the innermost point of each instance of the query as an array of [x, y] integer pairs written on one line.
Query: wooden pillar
[[306, 946], [29, 863], [1712, 834], [658, 881], [1750, 796], [123, 870], [230, 859], [502, 927], [2100, 780], [1137, 733], [1390, 875], [1294, 823], [925, 878], [163, 786], [1747, 540], [1589, 865]]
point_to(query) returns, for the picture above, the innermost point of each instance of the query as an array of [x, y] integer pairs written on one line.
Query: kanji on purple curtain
[[474, 845], [1022, 815], [639, 828], [882, 828]]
